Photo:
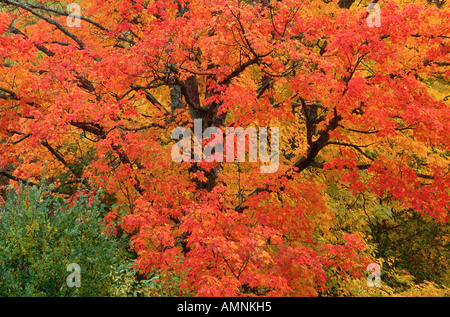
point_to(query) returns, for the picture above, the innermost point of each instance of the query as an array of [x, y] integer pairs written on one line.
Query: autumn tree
[[353, 103]]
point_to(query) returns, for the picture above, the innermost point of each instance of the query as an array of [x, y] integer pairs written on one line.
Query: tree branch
[[27, 7], [60, 158]]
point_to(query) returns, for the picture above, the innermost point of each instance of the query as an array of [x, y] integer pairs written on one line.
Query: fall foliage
[[363, 116]]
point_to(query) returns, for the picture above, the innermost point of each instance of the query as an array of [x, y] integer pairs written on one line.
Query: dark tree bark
[[345, 4]]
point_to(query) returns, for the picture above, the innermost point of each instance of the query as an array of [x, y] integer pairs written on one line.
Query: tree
[[352, 104]]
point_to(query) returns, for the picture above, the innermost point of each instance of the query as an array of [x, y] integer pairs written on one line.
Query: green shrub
[[41, 234]]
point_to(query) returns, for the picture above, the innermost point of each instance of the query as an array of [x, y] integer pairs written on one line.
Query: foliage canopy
[[363, 115]]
